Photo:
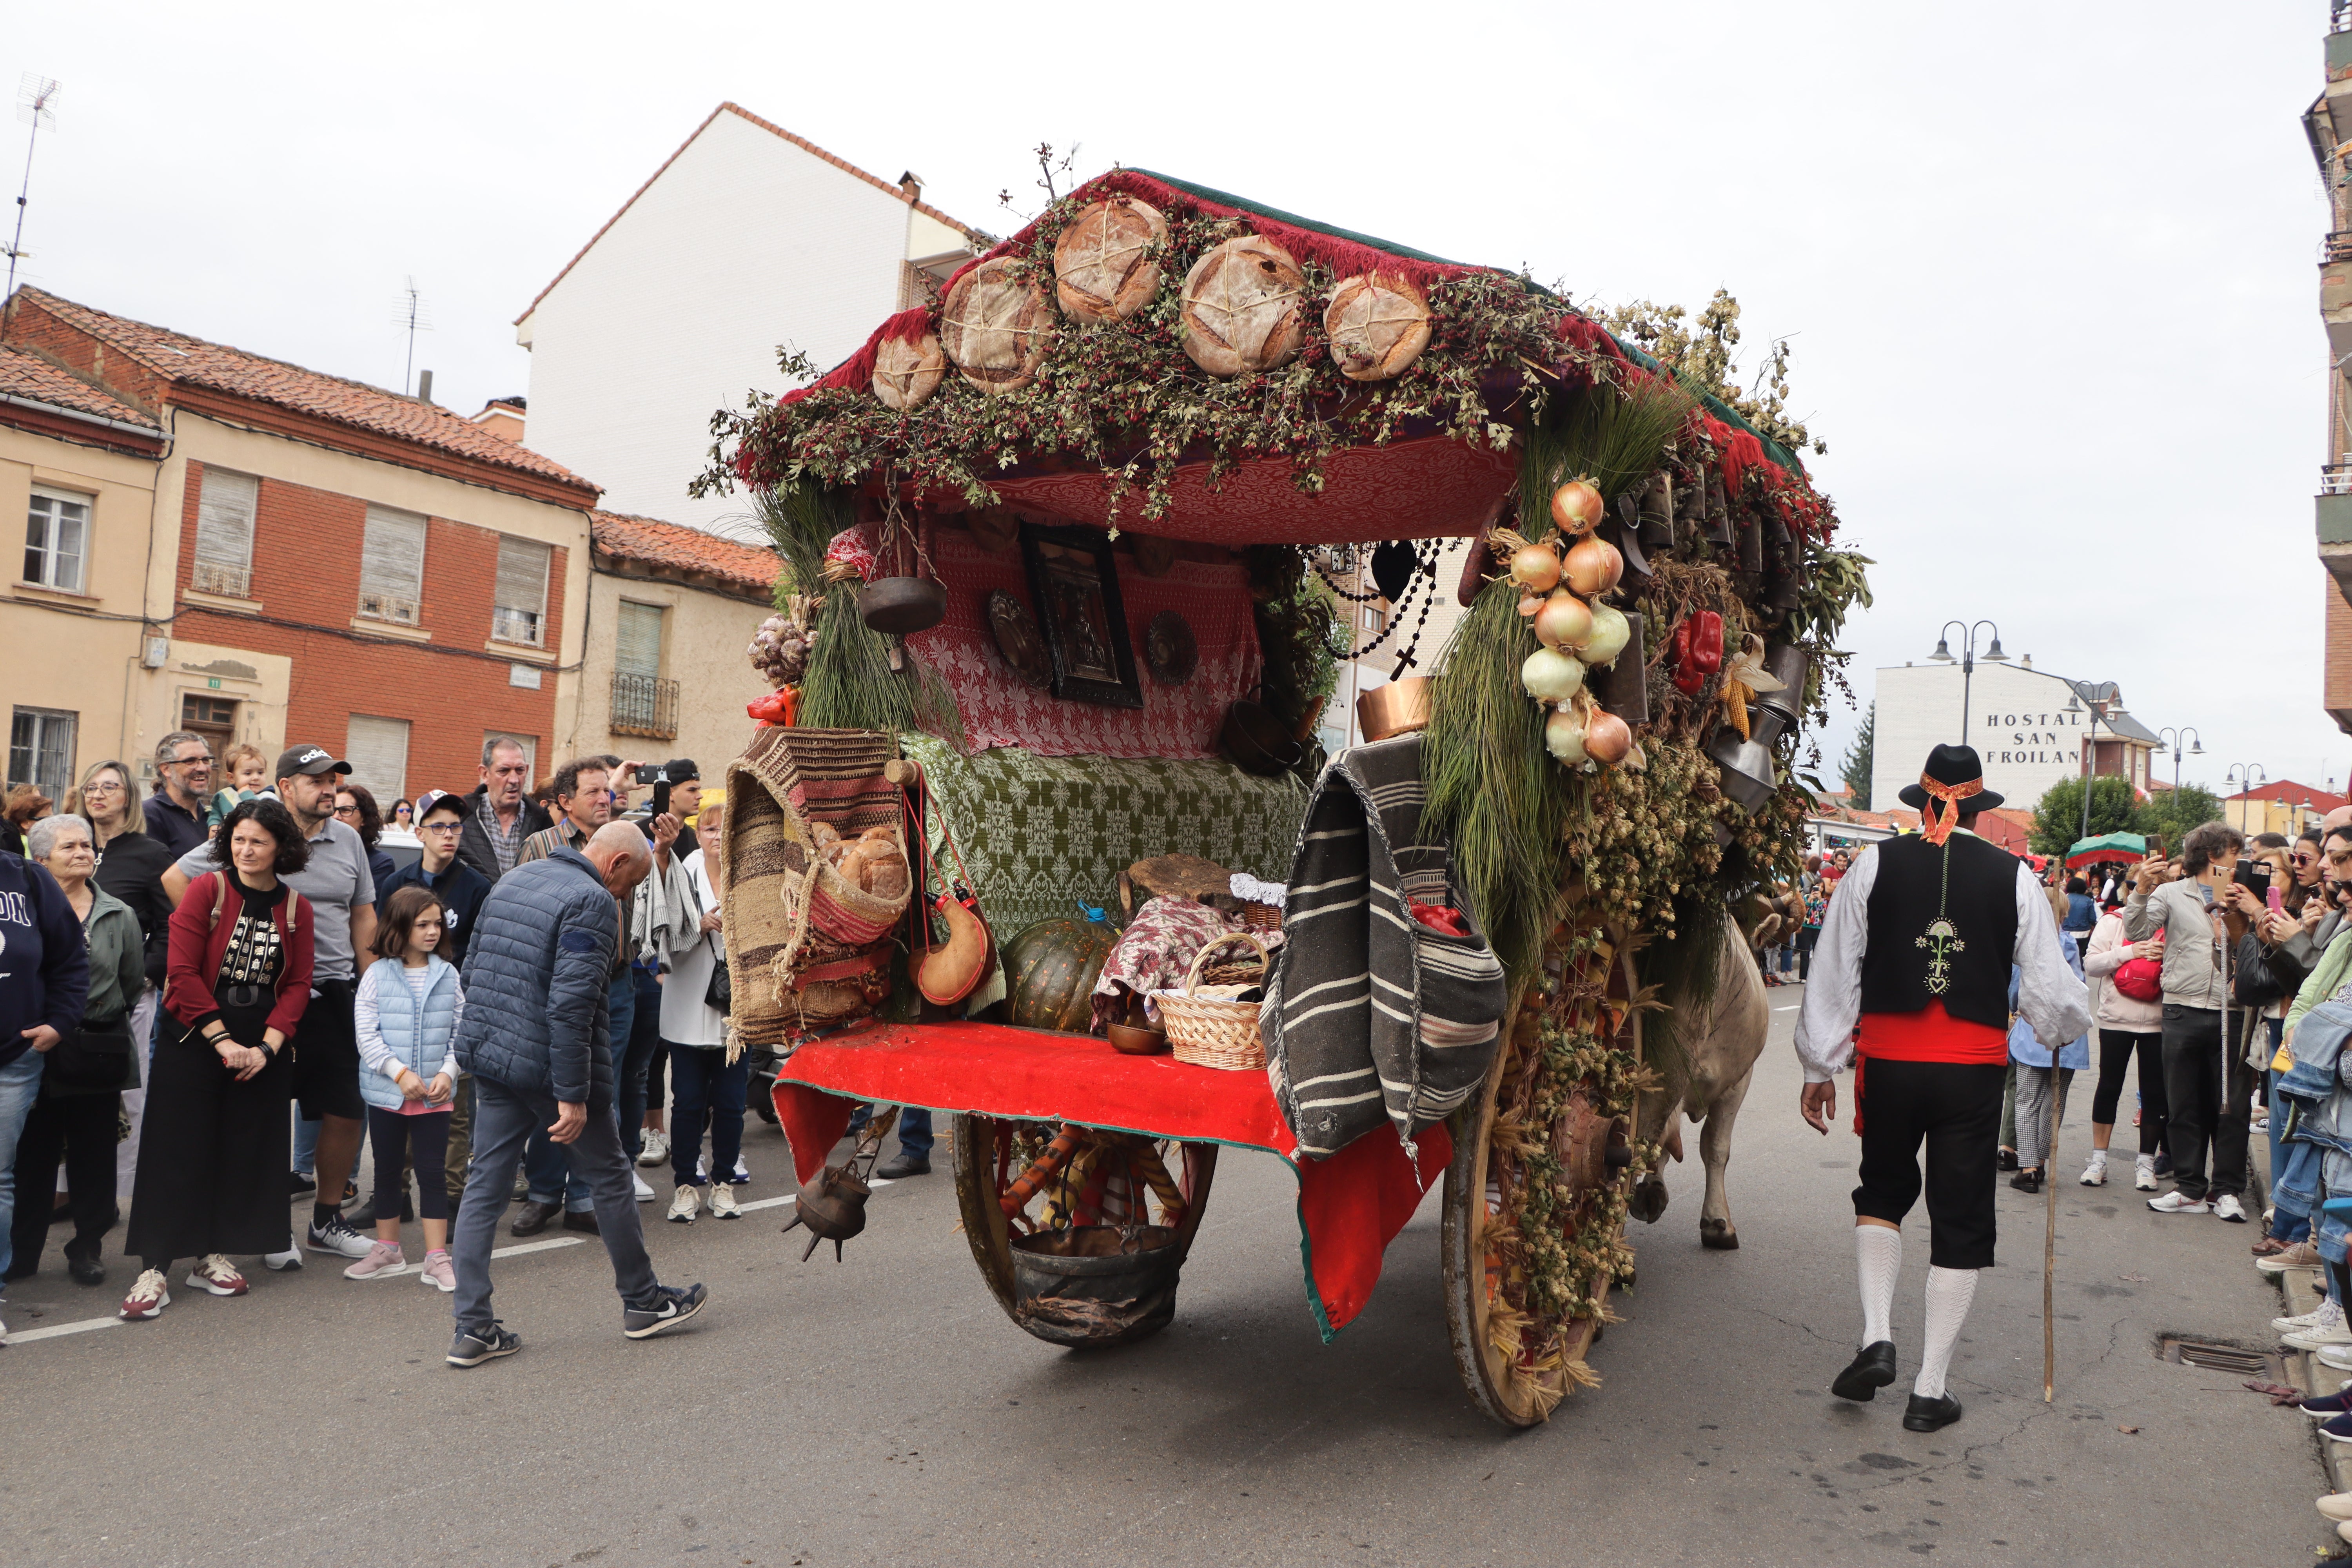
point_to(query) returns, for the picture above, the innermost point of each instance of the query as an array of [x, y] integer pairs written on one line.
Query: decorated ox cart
[[1074, 552]]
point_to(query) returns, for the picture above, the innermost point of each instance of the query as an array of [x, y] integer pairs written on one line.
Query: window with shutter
[[225, 510], [391, 566], [521, 609], [377, 750], [41, 751], [57, 527], [639, 640]]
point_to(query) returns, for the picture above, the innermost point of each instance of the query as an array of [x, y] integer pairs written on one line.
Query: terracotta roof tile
[[27, 374], [179, 358], [652, 543]]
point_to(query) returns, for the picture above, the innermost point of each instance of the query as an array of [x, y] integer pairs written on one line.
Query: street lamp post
[[2246, 776], [2076, 704], [1968, 661], [2173, 738]]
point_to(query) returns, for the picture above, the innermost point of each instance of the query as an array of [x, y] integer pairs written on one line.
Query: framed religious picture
[[1074, 586]]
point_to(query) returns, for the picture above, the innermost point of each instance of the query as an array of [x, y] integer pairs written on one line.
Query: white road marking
[[536, 1247], [1789, 1008], [767, 1203], [27, 1336]]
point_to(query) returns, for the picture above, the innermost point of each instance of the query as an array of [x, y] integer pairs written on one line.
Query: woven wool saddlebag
[[806, 946]]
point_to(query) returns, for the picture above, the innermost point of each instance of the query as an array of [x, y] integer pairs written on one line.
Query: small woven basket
[[1259, 917], [1213, 1031]]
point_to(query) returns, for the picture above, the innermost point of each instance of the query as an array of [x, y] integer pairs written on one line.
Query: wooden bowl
[[1254, 741], [1133, 1041]]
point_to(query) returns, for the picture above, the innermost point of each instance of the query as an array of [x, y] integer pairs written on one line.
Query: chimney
[[910, 185], [423, 386]]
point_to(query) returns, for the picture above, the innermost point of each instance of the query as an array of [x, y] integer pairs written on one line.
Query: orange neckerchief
[[1938, 826]]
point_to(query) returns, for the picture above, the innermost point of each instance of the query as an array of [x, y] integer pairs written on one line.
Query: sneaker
[[2163, 1166], [2337, 1356], [2143, 1173], [2094, 1174], [279, 1262], [2179, 1203], [337, 1236], [215, 1275], [722, 1202], [303, 1182], [2327, 1406], [2303, 1320], [149, 1295], [2227, 1206], [657, 1148], [439, 1272], [2338, 1430], [2338, 1507], [684, 1205], [2326, 1328], [667, 1308], [475, 1346], [2301, 1255], [645, 1193], [384, 1260]]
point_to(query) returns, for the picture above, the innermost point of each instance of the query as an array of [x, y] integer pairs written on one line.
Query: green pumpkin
[[1050, 971]]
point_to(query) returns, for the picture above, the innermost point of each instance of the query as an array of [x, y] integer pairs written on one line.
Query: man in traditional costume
[[1911, 981]]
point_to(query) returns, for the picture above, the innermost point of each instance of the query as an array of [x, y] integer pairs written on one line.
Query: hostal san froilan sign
[[2015, 717]]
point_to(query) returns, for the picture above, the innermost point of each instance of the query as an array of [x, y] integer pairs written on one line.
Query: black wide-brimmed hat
[[1950, 767]]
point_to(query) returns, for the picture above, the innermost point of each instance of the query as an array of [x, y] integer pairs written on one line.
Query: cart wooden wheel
[[986, 1164], [1472, 1267]]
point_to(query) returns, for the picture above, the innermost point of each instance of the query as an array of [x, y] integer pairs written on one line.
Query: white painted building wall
[[2017, 722], [743, 241]]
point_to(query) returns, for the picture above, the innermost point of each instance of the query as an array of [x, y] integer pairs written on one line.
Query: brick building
[[326, 561], [2328, 125]]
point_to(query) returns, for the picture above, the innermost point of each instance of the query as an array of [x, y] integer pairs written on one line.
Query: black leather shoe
[[2008, 1160], [1928, 1414], [585, 1220], [85, 1270], [899, 1167], [533, 1216], [2027, 1180], [1872, 1370]]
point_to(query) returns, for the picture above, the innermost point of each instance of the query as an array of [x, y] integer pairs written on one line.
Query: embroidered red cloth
[[999, 709], [1350, 1207]]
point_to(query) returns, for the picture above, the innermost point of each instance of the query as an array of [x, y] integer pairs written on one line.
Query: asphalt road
[[884, 1411]]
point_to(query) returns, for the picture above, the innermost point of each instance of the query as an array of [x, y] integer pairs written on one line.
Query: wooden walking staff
[[2050, 1230]]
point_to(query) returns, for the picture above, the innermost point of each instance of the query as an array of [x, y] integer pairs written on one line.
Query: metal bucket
[[1095, 1285]]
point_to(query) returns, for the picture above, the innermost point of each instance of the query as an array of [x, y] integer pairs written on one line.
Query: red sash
[[1931, 1034]]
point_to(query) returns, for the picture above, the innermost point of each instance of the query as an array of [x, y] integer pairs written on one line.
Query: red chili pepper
[[1707, 642], [1687, 676]]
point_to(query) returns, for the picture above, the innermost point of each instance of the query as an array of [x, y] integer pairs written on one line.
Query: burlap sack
[[805, 948]]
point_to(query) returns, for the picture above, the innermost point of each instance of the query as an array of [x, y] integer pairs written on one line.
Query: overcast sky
[[2049, 271]]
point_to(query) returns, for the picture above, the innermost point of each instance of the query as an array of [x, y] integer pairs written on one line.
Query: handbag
[[92, 1060], [2141, 979], [720, 993]]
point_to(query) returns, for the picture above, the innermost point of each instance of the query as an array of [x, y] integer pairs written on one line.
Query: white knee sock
[[1878, 1254], [1949, 1292]]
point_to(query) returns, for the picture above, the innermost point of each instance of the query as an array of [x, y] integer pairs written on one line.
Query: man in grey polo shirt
[[341, 892]]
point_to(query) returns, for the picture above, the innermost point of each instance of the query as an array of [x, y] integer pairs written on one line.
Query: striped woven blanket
[[1371, 1014]]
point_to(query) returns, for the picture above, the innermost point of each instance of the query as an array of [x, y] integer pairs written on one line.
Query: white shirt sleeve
[[368, 1025], [1832, 1003], [2048, 995]]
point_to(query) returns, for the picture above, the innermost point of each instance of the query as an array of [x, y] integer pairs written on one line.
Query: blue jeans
[[20, 1084], [914, 1129], [504, 1119], [706, 1093], [644, 1044], [2294, 1173], [553, 1178]]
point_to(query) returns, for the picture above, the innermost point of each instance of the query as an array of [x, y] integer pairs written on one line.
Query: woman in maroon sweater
[[213, 1148]]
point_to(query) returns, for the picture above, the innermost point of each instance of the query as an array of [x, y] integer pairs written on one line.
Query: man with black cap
[[1911, 982], [342, 891]]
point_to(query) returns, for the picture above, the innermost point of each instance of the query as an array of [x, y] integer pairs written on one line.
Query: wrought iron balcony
[[644, 705]]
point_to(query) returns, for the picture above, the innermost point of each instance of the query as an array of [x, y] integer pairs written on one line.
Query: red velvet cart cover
[[1350, 1207]]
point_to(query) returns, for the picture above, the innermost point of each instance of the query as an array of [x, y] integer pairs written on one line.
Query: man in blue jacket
[[44, 978], [537, 973]]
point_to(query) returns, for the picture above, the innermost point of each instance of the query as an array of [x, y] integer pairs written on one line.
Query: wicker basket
[[1213, 1031], [1261, 917]]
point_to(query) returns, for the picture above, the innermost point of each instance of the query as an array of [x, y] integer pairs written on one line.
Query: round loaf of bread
[[1378, 323], [907, 374], [997, 327], [1244, 308], [1103, 269]]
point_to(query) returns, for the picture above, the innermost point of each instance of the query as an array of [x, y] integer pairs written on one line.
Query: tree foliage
[[2058, 820], [2173, 813], [1858, 758]]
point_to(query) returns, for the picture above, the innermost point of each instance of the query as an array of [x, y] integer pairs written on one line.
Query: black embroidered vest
[[1943, 925]]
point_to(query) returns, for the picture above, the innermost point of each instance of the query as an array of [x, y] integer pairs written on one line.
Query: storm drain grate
[[2223, 1358]]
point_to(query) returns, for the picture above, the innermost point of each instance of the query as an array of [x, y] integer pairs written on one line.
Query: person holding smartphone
[[2183, 899]]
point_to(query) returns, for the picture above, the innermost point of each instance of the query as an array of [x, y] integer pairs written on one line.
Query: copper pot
[[1400, 708]]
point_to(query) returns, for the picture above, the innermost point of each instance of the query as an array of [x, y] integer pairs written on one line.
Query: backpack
[[2141, 979], [220, 905]]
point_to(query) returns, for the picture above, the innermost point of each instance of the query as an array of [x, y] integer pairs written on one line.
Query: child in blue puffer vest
[[406, 1008]]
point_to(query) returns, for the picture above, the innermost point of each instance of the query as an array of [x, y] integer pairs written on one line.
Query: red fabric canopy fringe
[[1350, 1207]]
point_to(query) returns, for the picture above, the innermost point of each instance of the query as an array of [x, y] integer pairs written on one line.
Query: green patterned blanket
[[1040, 834]]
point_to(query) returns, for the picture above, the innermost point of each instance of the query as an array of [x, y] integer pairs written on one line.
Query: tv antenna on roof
[[411, 316], [36, 105]]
